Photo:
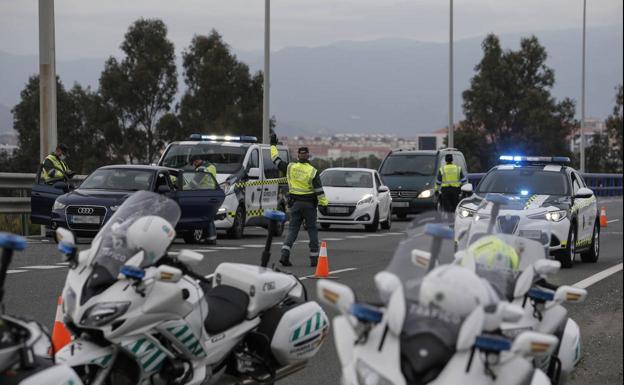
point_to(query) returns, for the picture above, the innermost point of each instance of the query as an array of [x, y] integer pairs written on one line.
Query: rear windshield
[[413, 164], [524, 181], [341, 178], [226, 159]]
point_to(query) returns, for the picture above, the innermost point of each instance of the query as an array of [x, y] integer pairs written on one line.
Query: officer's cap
[[303, 150]]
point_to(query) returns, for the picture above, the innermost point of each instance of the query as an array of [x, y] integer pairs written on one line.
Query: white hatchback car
[[356, 196]]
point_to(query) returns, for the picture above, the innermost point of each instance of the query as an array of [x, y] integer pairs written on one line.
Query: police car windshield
[[412, 164], [226, 158], [119, 179], [524, 181], [353, 179]]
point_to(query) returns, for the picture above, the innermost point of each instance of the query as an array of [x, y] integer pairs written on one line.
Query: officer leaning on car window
[[305, 192], [54, 169]]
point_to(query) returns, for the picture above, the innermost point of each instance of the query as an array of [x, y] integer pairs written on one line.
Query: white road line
[[357, 236], [587, 282], [253, 246], [15, 271], [331, 272], [395, 233], [613, 220], [332, 239], [376, 235], [43, 267], [204, 250], [227, 248]]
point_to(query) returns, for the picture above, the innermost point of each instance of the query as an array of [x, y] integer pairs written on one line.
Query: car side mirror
[[61, 186], [383, 189], [467, 188], [254, 173], [163, 189], [583, 193]]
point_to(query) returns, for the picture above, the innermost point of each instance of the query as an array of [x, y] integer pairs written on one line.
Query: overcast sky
[[90, 28]]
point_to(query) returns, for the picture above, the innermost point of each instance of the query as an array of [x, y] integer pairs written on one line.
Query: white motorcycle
[[526, 285], [24, 344], [435, 327], [139, 315]]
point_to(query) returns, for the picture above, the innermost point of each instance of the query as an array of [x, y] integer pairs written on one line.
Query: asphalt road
[[36, 279]]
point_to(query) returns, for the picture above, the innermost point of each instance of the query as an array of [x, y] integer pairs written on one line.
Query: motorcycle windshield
[[498, 226], [112, 250]]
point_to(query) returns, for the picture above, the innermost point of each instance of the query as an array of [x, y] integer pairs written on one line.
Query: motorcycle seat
[[227, 306]]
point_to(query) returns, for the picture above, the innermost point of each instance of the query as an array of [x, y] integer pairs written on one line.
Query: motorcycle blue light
[[66, 248], [12, 241], [366, 313], [132, 272], [439, 231], [275, 215], [541, 295], [491, 343]]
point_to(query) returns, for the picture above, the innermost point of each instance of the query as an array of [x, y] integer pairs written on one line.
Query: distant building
[[592, 128]]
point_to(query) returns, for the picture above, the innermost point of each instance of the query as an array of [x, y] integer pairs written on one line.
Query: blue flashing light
[[66, 248], [541, 295], [492, 343], [506, 158], [517, 158], [12, 241], [524, 192], [132, 272], [224, 138], [366, 313]]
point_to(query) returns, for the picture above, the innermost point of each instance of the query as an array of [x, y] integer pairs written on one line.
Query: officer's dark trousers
[[210, 231], [300, 211], [450, 198]]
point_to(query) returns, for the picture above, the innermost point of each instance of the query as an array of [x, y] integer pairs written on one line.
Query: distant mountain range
[[394, 86]]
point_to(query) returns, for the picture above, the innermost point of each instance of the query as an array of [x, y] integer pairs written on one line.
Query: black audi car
[[85, 209]]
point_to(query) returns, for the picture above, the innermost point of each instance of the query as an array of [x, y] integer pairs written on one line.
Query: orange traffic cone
[[603, 217], [60, 334], [322, 266]]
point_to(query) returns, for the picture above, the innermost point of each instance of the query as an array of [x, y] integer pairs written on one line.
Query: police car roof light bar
[[535, 159], [224, 138]]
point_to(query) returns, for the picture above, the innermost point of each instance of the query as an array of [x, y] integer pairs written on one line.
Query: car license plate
[[400, 204], [85, 219], [338, 210], [531, 234]]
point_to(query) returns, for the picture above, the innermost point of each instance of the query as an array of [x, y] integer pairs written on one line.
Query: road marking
[[204, 250], [395, 233], [15, 271], [376, 235], [253, 246], [43, 267], [587, 282], [227, 248], [357, 236], [332, 239], [613, 220], [63, 263], [331, 272]]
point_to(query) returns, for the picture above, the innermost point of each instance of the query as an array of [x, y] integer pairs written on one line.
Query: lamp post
[[450, 102], [583, 90], [267, 73], [47, 79]]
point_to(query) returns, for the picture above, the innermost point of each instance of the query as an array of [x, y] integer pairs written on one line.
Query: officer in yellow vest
[[54, 168], [203, 181], [448, 183], [305, 192]]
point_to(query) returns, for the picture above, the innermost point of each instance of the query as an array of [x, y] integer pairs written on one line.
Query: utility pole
[[451, 127], [267, 73], [583, 91], [47, 80]]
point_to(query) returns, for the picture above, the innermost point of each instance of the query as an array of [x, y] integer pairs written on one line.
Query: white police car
[[245, 172], [546, 194]]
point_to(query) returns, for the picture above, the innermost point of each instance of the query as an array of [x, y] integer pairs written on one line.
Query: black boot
[[285, 262], [313, 262]]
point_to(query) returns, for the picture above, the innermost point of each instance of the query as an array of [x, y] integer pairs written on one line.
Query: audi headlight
[[425, 194], [103, 313], [58, 205], [366, 199], [464, 212], [366, 375]]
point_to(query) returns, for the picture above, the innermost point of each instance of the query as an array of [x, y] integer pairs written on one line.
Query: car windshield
[[227, 159], [524, 181], [343, 178], [409, 165], [119, 179], [110, 245]]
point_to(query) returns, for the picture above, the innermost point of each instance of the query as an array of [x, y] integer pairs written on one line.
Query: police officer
[[305, 192], [202, 181], [54, 168], [448, 183]]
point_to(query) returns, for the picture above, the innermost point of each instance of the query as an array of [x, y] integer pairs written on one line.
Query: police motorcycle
[[518, 268], [25, 344], [140, 315], [434, 325]]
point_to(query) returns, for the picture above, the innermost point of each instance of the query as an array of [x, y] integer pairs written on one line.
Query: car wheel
[[279, 227], [325, 226], [592, 254], [237, 231], [192, 237], [387, 224], [566, 256], [372, 228]]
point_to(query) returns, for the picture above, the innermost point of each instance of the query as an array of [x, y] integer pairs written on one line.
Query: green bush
[[12, 223]]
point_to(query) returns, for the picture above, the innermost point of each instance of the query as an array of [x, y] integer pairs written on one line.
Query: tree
[[615, 131], [509, 104], [222, 97], [140, 88]]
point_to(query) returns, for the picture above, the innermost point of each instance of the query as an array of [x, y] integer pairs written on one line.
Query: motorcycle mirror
[[546, 267], [396, 311], [66, 236], [570, 294], [421, 258], [335, 294], [467, 188], [524, 283], [67, 245], [386, 284], [470, 329], [511, 313], [190, 257], [531, 344]]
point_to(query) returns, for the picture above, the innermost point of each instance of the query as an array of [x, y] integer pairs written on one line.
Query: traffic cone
[[322, 266], [60, 334], [603, 217]]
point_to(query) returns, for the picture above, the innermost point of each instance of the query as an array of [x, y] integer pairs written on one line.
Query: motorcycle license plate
[[85, 219], [338, 210]]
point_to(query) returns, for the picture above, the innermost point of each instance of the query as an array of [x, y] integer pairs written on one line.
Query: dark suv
[[411, 176]]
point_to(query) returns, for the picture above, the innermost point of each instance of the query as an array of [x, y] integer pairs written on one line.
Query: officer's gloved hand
[[323, 201]]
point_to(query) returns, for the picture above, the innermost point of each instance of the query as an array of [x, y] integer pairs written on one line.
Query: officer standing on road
[[203, 181], [54, 168], [450, 178], [305, 192]]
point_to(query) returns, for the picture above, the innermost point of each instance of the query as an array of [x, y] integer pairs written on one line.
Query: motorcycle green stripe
[[187, 339], [305, 328]]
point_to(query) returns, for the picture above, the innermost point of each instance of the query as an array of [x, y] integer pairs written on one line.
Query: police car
[[245, 172], [546, 194]]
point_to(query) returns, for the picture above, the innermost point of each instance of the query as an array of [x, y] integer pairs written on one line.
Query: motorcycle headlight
[[58, 205], [369, 376], [102, 313], [464, 212], [366, 199], [425, 194]]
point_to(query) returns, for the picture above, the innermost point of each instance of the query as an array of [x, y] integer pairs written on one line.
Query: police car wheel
[[238, 227], [566, 256], [592, 254]]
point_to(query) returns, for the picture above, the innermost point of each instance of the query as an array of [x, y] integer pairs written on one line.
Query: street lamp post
[[47, 79], [450, 102], [583, 90], [267, 73]]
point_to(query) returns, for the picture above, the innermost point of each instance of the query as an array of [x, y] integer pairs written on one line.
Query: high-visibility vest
[[206, 181], [60, 168], [451, 175], [300, 176]]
